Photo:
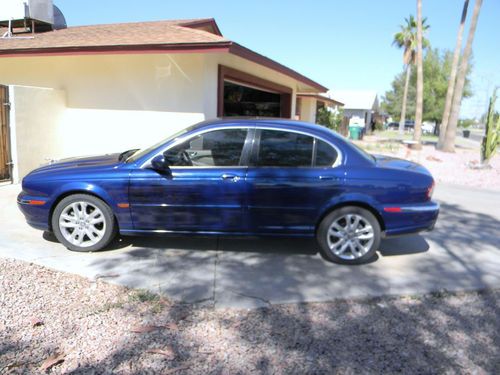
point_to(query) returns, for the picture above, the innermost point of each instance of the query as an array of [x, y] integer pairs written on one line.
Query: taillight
[[430, 190]]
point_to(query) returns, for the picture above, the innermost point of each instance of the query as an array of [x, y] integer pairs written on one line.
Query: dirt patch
[[59, 323]]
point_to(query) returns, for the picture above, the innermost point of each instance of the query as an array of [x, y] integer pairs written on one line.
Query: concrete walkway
[[462, 253]]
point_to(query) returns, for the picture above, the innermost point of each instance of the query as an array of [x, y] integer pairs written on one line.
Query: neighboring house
[[106, 88], [360, 107]]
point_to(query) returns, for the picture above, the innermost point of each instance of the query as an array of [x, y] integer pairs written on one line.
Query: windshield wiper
[[124, 155]]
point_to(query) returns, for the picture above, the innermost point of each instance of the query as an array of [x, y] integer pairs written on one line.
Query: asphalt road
[[462, 253]]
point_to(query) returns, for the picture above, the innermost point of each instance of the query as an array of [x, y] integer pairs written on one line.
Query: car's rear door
[[206, 193], [290, 177]]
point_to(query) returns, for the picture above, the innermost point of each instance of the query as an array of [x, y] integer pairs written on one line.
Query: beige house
[[106, 88]]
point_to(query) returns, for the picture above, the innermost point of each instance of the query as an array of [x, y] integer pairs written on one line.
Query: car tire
[[83, 223], [349, 235]]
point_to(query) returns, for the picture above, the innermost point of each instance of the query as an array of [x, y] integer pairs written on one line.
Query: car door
[[290, 177], [205, 190]]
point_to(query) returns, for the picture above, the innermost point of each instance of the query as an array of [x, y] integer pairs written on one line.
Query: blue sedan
[[235, 177]]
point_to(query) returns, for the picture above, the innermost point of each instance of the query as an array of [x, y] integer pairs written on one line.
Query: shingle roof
[[120, 34]]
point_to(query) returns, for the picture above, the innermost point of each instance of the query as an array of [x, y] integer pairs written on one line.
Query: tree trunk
[[451, 129], [417, 133], [402, 120], [453, 78]]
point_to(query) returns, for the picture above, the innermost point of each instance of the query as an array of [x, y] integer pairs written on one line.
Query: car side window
[[218, 148], [326, 155], [284, 149]]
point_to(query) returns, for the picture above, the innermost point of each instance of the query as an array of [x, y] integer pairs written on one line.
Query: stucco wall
[[308, 110], [35, 120]]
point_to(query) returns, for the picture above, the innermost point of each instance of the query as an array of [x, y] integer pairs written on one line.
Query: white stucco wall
[[35, 122], [308, 109]]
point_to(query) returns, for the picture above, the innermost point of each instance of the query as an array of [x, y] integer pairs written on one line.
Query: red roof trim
[[111, 50]]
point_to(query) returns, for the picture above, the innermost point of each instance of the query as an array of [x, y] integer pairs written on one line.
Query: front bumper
[[411, 218], [35, 209]]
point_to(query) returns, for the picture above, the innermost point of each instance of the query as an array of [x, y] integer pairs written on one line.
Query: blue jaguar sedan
[[235, 177]]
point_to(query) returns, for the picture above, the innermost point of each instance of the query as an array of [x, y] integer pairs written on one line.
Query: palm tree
[[417, 133], [451, 129], [453, 78], [406, 39]]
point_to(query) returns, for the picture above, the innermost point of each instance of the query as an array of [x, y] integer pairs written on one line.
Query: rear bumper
[[411, 219]]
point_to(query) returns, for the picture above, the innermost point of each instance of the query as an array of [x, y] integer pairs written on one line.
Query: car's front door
[[205, 190], [291, 176]]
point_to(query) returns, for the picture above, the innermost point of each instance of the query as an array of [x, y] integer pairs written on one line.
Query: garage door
[[241, 94]]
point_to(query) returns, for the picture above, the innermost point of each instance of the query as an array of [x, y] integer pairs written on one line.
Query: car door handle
[[328, 178], [231, 177]]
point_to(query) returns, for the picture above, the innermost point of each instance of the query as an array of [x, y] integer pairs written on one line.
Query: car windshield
[[140, 153]]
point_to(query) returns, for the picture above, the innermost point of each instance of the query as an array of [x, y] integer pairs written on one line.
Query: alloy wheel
[[82, 224], [350, 236]]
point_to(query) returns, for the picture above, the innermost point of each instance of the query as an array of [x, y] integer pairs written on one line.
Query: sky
[[344, 45]]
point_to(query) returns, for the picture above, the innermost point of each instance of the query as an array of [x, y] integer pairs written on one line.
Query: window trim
[[251, 144], [256, 147]]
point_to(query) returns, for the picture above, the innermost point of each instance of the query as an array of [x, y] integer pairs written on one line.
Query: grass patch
[[143, 295], [154, 301]]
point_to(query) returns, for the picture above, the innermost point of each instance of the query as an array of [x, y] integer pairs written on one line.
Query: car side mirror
[[160, 164]]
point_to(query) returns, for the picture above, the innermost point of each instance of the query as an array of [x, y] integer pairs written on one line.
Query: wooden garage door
[[4, 134]]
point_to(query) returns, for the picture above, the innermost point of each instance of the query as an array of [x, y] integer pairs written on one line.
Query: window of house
[[218, 148]]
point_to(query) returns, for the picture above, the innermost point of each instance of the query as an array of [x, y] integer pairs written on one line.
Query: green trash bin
[[355, 132]]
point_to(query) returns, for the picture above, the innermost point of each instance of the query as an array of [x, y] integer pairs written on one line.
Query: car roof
[[262, 121]]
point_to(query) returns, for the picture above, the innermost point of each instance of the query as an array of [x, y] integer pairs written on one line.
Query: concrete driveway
[[462, 253]]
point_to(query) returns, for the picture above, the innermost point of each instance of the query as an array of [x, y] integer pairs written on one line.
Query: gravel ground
[[92, 327], [445, 167]]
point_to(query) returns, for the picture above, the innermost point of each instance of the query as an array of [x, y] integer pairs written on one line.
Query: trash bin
[[355, 132], [466, 133]]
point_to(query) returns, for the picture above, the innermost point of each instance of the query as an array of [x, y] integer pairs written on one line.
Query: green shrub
[[492, 133]]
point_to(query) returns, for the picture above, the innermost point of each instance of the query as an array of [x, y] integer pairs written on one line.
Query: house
[[92, 89], [360, 107]]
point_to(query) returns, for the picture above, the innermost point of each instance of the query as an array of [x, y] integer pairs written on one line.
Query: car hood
[[390, 162], [89, 162]]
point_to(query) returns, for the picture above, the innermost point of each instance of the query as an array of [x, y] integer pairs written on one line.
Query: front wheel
[[349, 235], [83, 223]]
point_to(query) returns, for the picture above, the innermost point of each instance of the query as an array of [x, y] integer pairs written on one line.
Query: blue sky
[[340, 44]]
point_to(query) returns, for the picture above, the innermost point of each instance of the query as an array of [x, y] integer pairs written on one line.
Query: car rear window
[[326, 155], [284, 149]]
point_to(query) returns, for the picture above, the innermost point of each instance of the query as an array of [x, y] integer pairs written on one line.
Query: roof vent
[[23, 16]]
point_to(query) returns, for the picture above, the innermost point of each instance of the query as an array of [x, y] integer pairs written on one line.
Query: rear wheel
[[349, 235], [83, 223]]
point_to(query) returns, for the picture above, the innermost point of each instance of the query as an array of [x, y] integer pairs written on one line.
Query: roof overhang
[[320, 98], [224, 46]]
